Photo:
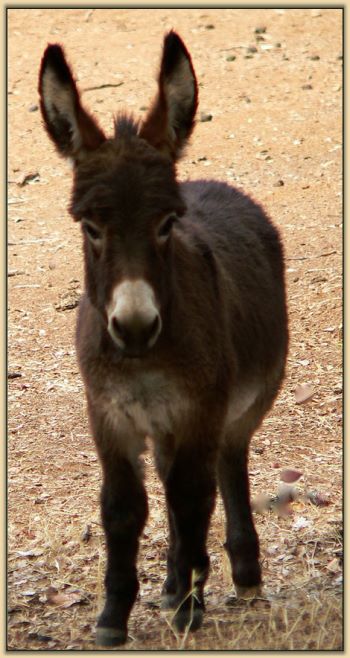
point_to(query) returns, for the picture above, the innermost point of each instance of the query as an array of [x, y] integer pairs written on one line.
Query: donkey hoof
[[248, 593], [110, 637], [188, 620], [168, 601]]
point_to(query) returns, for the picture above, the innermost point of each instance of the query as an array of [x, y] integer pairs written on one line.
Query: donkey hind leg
[[242, 543], [124, 512], [190, 490]]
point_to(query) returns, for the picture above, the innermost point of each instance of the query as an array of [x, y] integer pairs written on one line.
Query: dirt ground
[[271, 80]]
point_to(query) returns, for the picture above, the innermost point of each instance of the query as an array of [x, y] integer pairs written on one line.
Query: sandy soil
[[272, 82]]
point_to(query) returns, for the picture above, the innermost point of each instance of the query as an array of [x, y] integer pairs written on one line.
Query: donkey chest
[[148, 404]]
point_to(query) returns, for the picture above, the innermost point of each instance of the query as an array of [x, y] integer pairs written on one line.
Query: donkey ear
[[71, 128], [171, 119]]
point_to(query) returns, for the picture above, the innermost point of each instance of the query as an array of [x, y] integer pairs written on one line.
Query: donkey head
[[125, 192]]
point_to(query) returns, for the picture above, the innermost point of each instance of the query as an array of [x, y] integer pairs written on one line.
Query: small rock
[[278, 45], [210, 27], [318, 499], [305, 87], [259, 451], [205, 117], [314, 58], [15, 272], [29, 178], [87, 533], [39, 637], [231, 58], [13, 375], [279, 183], [252, 49], [259, 37], [33, 108], [260, 30], [248, 56]]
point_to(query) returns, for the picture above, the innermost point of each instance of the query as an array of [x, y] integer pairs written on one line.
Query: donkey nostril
[[134, 333], [152, 331], [118, 328]]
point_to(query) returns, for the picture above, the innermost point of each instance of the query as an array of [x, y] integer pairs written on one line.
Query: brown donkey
[[181, 336]]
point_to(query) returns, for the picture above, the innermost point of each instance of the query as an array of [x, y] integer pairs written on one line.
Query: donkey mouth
[[134, 354]]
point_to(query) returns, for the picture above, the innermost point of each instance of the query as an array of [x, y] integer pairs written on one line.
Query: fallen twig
[[329, 253], [104, 86]]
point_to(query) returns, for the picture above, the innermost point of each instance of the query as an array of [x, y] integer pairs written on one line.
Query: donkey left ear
[[171, 119], [71, 128]]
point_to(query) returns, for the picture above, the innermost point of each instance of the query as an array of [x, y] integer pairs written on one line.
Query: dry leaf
[[64, 599], [289, 475], [35, 552], [303, 392], [334, 565]]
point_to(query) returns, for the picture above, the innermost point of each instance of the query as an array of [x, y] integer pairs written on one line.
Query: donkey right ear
[[171, 118], [71, 128]]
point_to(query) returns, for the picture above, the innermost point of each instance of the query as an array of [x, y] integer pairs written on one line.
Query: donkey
[[181, 334]]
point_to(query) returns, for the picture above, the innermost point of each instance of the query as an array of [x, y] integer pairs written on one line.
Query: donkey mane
[[125, 126]]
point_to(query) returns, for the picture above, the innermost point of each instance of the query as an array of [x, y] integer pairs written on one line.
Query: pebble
[[205, 117], [314, 58], [13, 375], [33, 108], [231, 58], [260, 30], [210, 27], [252, 49], [307, 87], [279, 183]]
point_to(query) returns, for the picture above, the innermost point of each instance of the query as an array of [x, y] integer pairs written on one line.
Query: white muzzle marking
[[133, 303]]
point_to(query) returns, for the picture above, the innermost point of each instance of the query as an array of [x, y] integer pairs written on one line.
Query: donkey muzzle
[[134, 321]]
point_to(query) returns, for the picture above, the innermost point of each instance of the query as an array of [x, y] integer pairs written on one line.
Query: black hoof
[[246, 573], [248, 593], [110, 637], [168, 601], [190, 619]]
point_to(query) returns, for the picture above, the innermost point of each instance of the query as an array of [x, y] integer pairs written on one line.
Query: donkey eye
[[165, 227], [92, 232]]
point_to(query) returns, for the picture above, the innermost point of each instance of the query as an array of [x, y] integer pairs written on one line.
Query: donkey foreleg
[[190, 491], [124, 512]]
